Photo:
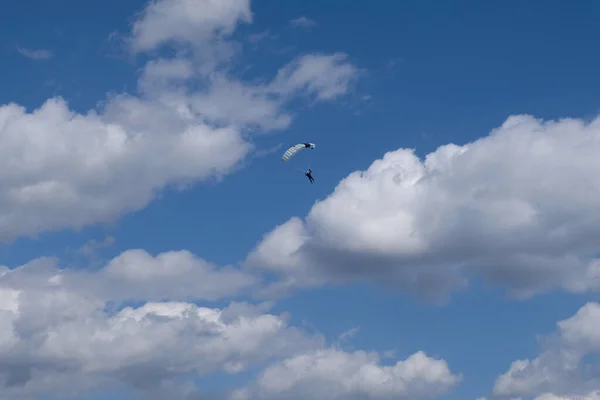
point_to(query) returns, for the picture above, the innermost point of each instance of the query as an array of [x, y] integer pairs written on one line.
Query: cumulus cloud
[[563, 370], [179, 274], [136, 275], [60, 335], [196, 22], [335, 374], [62, 169], [69, 346], [191, 122], [519, 207]]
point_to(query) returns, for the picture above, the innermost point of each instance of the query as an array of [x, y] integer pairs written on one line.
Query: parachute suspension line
[[293, 150]]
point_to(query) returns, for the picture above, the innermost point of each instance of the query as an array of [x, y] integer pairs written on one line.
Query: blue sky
[[472, 257]]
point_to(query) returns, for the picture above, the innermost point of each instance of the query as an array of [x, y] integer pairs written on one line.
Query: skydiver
[[309, 175], [306, 145]]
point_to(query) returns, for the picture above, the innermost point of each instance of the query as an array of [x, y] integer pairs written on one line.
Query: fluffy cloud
[[59, 334], [519, 207], [563, 368], [187, 21], [335, 374], [177, 274], [61, 169], [135, 275], [140, 347], [62, 335]]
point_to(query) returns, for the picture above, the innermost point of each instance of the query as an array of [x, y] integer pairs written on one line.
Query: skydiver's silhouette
[[309, 175]]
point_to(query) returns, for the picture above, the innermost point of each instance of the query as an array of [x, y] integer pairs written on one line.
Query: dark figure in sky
[[309, 175], [306, 145]]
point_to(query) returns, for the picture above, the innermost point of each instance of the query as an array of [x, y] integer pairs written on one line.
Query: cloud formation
[[191, 122], [519, 207], [335, 374], [563, 370], [145, 322], [136, 275], [59, 343], [60, 326], [197, 22], [65, 332], [66, 170]]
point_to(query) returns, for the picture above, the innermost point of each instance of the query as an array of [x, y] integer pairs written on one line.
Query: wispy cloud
[[39, 54], [90, 247], [261, 36], [348, 334], [302, 22]]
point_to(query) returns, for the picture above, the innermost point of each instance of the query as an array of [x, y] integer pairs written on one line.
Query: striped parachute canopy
[[289, 153]]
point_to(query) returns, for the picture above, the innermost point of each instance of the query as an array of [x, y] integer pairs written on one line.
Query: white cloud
[[327, 76], [241, 104], [590, 396], [302, 22], [196, 22], [176, 274], [163, 74], [60, 169], [39, 54], [256, 105], [81, 349], [201, 29], [562, 368], [519, 207], [335, 374], [59, 337], [137, 275]]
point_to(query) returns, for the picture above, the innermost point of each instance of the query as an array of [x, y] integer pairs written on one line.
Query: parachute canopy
[[295, 149]]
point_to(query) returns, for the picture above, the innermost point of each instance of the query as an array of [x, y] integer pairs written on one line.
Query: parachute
[[295, 149]]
